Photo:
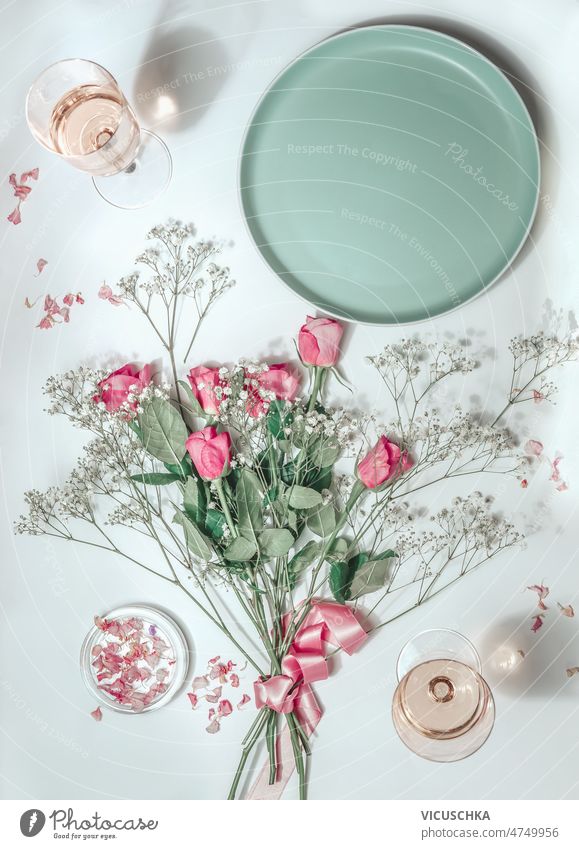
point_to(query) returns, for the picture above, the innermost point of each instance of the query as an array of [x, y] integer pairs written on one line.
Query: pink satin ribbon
[[325, 623]]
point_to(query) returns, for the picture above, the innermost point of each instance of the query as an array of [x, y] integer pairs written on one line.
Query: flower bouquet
[[246, 481]]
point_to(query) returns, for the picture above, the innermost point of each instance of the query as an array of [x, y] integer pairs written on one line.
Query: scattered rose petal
[[542, 593], [97, 714], [566, 610], [30, 175], [213, 659], [41, 265], [213, 696], [200, 682], [244, 700], [193, 699], [537, 623], [28, 304], [573, 670], [524, 483], [225, 708], [15, 217], [234, 680], [68, 299], [555, 473], [213, 727], [106, 294], [534, 447], [46, 323], [562, 487]]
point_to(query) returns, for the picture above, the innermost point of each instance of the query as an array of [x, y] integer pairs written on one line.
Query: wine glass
[[443, 709], [76, 109]]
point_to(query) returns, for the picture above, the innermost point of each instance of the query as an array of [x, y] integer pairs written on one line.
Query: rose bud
[[319, 341], [210, 452], [204, 380], [382, 463], [115, 389]]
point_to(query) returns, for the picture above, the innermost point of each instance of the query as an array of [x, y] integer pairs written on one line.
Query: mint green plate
[[390, 174]]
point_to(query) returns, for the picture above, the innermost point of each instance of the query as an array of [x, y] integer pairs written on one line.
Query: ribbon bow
[[305, 662]]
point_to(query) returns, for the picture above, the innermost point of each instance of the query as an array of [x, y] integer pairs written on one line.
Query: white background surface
[[49, 745]]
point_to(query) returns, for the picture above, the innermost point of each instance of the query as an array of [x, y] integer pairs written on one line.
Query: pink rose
[[382, 463], [281, 378], [319, 341], [210, 452], [204, 380], [115, 389]]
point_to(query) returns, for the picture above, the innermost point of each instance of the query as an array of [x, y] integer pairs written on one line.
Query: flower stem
[[225, 507], [318, 379], [249, 743]]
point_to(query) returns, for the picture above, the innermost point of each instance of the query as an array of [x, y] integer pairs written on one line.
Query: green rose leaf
[[302, 559], [240, 549], [156, 478], [215, 523], [193, 406], [195, 501], [323, 452], [163, 431], [197, 542], [275, 542], [342, 574], [249, 500], [276, 420], [320, 478], [302, 498], [322, 521], [372, 575]]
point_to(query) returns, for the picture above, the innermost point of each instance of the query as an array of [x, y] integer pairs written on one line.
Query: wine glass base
[[144, 180], [443, 711]]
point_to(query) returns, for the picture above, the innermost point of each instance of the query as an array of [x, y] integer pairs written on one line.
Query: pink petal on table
[[68, 299], [193, 699], [65, 313], [573, 670], [225, 707], [524, 483], [106, 294], [46, 323], [30, 175], [80, 300], [234, 680], [41, 265], [244, 700], [211, 713], [97, 714], [562, 486], [200, 682], [542, 593], [534, 447], [15, 216], [213, 727], [28, 304], [555, 473], [537, 623], [566, 610], [214, 659]]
